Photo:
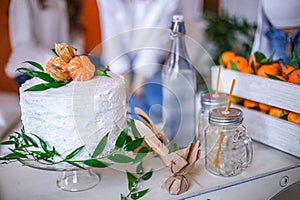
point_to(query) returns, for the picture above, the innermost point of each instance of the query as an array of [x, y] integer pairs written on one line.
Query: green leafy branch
[[30, 147], [50, 82], [33, 148], [133, 183], [229, 34]]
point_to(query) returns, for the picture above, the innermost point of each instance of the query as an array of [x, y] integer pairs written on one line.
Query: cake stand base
[[77, 180]]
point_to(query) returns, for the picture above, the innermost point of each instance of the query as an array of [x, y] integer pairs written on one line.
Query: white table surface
[[21, 182]]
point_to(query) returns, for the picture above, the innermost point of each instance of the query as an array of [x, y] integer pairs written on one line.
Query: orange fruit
[[81, 68], [58, 62], [267, 69], [250, 104], [246, 70], [294, 77], [286, 70], [239, 61], [277, 66], [226, 57], [56, 68], [294, 117], [278, 112], [253, 60], [264, 107], [236, 100]]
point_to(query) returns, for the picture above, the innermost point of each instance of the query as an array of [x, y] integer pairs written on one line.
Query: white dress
[[33, 32]]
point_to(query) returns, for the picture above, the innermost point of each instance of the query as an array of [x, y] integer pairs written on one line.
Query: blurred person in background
[[278, 28], [135, 36], [34, 27]]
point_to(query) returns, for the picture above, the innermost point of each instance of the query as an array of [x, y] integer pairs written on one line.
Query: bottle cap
[[219, 116], [178, 18], [178, 24], [210, 99]]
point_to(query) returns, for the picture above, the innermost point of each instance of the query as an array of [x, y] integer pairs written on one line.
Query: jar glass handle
[[249, 151]]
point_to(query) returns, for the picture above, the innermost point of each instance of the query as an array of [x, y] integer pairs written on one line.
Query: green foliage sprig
[[133, 181], [30, 147], [229, 34], [33, 148], [50, 82]]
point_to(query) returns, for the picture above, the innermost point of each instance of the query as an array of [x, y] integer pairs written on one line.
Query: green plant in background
[[229, 34]]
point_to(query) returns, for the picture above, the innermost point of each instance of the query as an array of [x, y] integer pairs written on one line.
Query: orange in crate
[[239, 61], [294, 77], [267, 69], [294, 117], [226, 57]]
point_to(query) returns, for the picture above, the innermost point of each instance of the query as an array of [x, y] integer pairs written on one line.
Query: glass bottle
[[228, 148], [179, 85], [209, 101]]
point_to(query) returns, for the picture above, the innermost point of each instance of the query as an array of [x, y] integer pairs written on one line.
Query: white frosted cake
[[79, 113]]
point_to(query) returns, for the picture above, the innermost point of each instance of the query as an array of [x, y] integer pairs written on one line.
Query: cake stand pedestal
[[72, 179]]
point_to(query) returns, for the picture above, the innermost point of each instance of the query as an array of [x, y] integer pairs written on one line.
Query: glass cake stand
[[72, 179]]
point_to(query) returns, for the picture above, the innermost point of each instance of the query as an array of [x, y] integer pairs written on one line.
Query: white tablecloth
[[22, 182]]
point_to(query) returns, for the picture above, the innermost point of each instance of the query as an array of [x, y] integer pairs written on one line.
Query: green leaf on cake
[[38, 87], [42, 75], [96, 163], [133, 144], [74, 153], [46, 86], [35, 64], [120, 158], [99, 72], [100, 147]]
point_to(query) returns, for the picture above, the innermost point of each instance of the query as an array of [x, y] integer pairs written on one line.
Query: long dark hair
[[74, 9]]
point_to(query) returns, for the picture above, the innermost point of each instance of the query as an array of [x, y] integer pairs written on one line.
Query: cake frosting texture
[[79, 113]]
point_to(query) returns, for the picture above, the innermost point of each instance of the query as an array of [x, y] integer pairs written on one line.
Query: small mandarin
[[236, 100], [277, 66], [246, 70], [294, 117], [267, 69], [264, 107], [277, 112], [226, 57], [81, 68], [250, 104], [286, 70], [239, 61], [294, 77]]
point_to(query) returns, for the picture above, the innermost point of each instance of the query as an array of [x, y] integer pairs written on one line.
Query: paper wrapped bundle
[[180, 162]]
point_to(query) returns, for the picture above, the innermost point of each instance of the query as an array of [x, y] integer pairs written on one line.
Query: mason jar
[[228, 148], [209, 101]]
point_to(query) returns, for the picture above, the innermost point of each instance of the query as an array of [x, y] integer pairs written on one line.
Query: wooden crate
[[266, 129]]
